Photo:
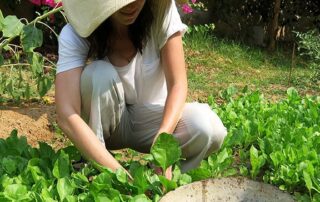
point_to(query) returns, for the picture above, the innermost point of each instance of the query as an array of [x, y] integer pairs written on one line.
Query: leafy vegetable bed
[[278, 143], [41, 174]]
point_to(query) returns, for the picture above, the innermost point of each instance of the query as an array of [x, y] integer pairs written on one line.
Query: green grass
[[214, 64]]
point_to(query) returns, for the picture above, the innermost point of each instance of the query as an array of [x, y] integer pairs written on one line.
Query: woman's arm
[[68, 106], [172, 59]]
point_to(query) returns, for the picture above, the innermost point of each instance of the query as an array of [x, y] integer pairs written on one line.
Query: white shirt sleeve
[[73, 49], [172, 24]]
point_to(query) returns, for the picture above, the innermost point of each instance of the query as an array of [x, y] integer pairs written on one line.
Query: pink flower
[[193, 1], [186, 9], [59, 4], [50, 3]]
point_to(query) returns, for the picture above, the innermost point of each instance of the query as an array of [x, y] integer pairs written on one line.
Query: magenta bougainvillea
[[186, 8], [50, 3]]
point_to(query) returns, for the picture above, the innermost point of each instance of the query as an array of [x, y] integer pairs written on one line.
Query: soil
[[35, 121]]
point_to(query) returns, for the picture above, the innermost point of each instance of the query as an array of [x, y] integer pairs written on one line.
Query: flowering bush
[[191, 9], [47, 3], [50, 3], [187, 8]]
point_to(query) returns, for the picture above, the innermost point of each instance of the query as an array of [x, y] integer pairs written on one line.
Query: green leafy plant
[[165, 156], [27, 68], [277, 143], [204, 29], [42, 174]]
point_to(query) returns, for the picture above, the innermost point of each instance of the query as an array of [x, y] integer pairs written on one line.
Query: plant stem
[[46, 15], [292, 62]]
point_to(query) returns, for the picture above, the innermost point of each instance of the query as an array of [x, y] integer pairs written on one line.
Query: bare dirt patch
[[35, 121]]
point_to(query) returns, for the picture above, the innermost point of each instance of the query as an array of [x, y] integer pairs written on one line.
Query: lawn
[[215, 64]]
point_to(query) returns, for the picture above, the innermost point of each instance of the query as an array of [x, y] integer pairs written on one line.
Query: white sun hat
[[86, 15]]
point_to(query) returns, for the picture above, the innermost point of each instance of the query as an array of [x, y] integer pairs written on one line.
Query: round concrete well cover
[[233, 189]]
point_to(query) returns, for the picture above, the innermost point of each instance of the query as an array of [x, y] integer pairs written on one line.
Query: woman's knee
[[214, 134], [217, 138], [98, 75], [99, 71], [99, 82], [208, 126]]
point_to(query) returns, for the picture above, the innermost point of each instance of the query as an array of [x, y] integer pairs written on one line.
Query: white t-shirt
[[143, 78]]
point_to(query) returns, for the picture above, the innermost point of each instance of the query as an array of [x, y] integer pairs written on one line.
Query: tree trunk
[[274, 25]]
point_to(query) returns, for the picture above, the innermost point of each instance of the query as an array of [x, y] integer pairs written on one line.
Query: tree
[[273, 26]]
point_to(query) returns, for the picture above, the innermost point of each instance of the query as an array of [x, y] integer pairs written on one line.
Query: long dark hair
[[139, 32]]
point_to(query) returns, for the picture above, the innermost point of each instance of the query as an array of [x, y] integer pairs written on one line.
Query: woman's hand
[[168, 173]]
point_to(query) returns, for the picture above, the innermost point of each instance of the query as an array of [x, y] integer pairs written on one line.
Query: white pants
[[199, 131]]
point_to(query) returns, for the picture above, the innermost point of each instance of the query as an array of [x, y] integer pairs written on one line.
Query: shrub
[[309, 45]]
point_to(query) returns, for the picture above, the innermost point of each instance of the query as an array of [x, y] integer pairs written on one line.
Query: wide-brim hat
[[86, 15]]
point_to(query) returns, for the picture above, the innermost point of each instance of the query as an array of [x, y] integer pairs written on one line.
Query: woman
[[135, 87]]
